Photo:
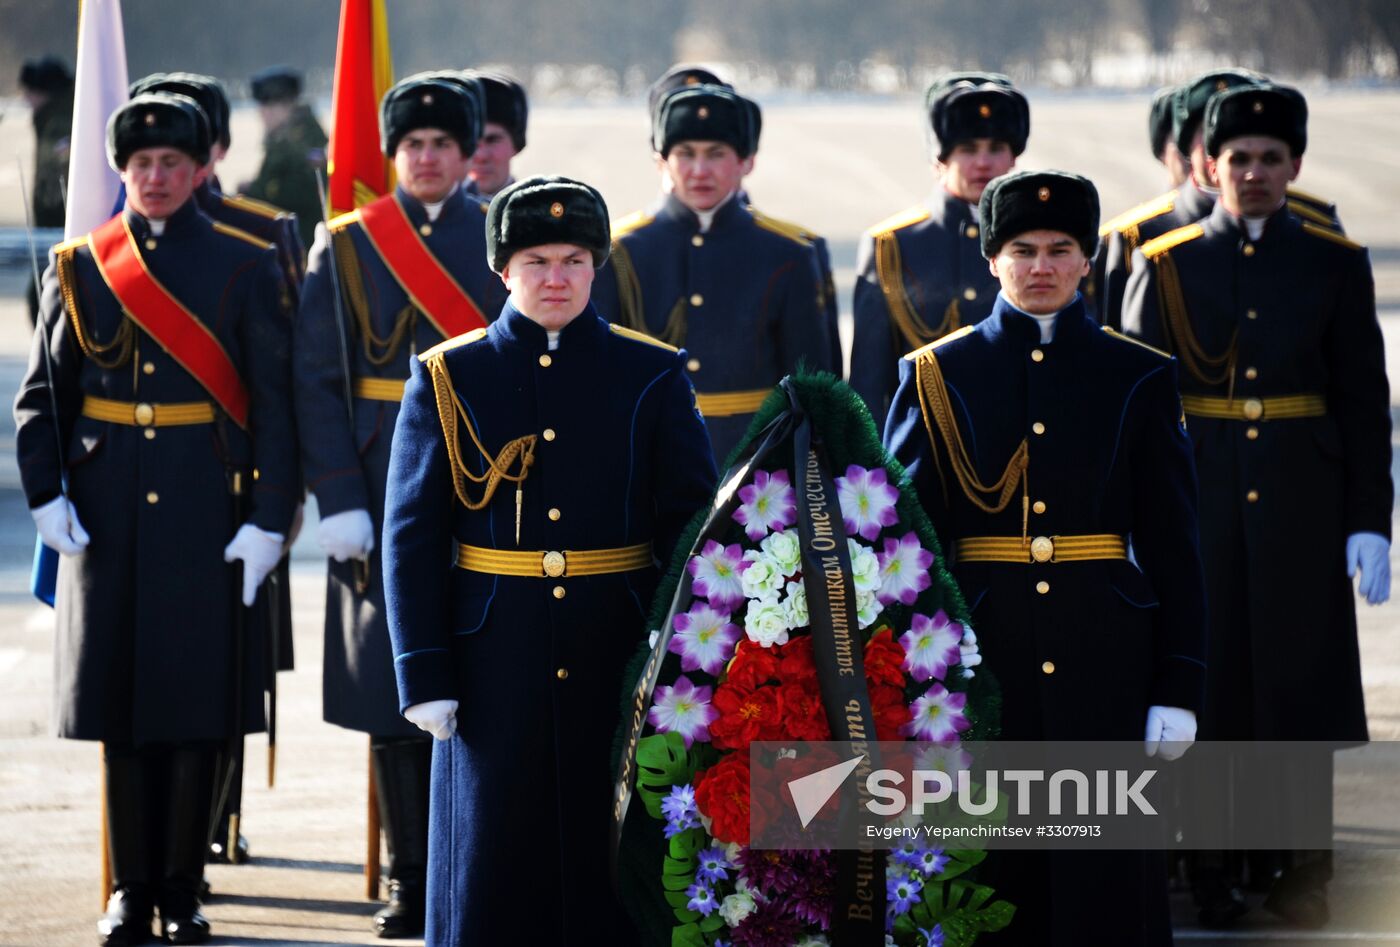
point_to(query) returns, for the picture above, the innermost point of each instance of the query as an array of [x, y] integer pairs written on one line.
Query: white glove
[[1370, 552], [971, 655], [260, 552], [438, 717], [57, 522], [1170, 731], [348, 535]]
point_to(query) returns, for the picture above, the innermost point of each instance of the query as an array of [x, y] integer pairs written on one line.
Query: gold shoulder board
[[917, 353], [466, 338], [1114, 333], [261, 208], [630, 223], [343, 221], [1327, 233], [68, 246], [1172, 238], [899, 221], [1159, 205], [243, 235], [795, 232], [636, 336], [1303, 195]]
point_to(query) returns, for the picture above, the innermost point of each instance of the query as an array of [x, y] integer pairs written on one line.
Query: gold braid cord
[[937, 411], [889, 269], [629, 300], [123, 343], [1131, 236], [519, 453], [1208, 369], [378, 351]]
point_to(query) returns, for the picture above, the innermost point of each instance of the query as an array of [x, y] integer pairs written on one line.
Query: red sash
[[426, 281], [151, 306]]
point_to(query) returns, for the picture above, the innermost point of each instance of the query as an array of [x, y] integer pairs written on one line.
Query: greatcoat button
[[1048, 667], [149, 368], [1042, 587], [1249, 249], [554, 514], [971, 231], [559, 591], [1251, 373], [1037, 355], [697, 300], [426, 230], [562, 673], [549, 434], [969, 294], [1252, 496], [697, 241], [1038, 428], [693, 365], [1038, 506], [153, 497], [1252, 433], [546, 361]]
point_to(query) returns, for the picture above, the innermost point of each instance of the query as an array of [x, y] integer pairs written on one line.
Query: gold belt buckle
[[145, 414], [554, 564], [1042, 549], [1253, 409]]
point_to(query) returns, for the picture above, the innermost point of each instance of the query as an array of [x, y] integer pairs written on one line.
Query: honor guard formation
[[509, 404]]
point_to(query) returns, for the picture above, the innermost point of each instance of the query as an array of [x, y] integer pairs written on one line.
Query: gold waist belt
[[1255, 409], [551, 564], [1041, 548], [379, 389], [725, 404], [142, 414]]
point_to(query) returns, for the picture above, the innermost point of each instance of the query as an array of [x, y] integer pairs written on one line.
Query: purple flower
[[904, 569], [771, 872], [902, 891], [702, 899], [931, 645], [679, 810], [770, 925], [704, 638], [907, 853], [713, 865], [937, 716], [867, 501], [811, 900], [767, 503], [684, 709], [931, 862], [715, 574], [933, 938]]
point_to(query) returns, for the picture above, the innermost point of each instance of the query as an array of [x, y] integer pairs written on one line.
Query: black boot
[[401, 771], [193, 771], [129, 846]]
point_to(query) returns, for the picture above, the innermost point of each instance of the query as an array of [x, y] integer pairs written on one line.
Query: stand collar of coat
[[584, 332], [183, 221], [725, 215], [453, 205], [1011, 326]]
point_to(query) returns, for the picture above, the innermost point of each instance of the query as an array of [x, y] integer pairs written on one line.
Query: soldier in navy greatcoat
[[507, 113], [542, 471], [412, 272], [1273, 317], [742, 293], [169, 353], [1044, 448], [921, 272]]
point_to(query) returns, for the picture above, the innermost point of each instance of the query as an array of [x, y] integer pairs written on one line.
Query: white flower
[[785, 550], [796, 605], [731, 852], [766, 623], [865, 567], [813, 940], [868, 608], [762, 577], [736, 907]]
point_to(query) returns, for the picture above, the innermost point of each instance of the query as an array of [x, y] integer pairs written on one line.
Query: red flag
[[359, 172]]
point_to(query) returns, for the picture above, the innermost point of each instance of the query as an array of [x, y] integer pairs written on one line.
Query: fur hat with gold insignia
[[1189, 103], [475, 89], [962, 106], [1278, 111], [207, 92], [680, 76], [1039, 200], [420, 102], [505, 103], [703, 113], [157, 120], [541, 210]]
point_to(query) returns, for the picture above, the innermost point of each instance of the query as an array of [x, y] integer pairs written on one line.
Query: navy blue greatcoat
[[520, 794], [144, 613], [1279, 496], [942, 270], [1081, 649], [745, 299], [347, 465], [270, 224]]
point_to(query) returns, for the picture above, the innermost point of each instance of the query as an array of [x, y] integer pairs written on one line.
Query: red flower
[[722, 794], [745, 716], [797, 663], [804, 718], [752, 666], [887, 703], [884, 660]]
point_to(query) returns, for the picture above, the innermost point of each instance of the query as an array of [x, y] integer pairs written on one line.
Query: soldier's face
[[490, 164], [971, 166], [429, 163], [1040, 270], [550, 283], [704, 173], [159, 181], [1253, 174], [1175, 162]]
